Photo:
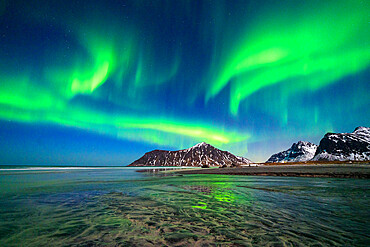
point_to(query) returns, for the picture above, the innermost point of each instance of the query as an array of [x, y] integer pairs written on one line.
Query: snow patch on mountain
[[342, 157]]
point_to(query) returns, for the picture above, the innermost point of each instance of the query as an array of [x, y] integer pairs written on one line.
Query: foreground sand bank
[[319, 170]]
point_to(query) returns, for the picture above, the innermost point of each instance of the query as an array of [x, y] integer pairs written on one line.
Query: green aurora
[[176, 73]]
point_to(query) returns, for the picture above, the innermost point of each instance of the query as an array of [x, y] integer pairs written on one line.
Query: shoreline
[[328, 170]]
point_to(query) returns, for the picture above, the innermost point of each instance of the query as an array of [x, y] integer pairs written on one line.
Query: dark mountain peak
[[362, 128], [300, 144], [202, 144], [362, 131], [298, 152], [345, 146], [201, 154]]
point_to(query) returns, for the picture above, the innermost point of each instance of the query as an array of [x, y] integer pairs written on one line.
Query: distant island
[[333, 147]]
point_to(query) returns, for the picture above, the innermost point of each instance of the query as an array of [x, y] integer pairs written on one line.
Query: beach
[[317, 170]]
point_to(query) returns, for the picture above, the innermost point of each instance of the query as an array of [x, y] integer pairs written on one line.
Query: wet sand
[[319, 170]]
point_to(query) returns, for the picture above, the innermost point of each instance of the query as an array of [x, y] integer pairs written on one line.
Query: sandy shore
[[319, 170]]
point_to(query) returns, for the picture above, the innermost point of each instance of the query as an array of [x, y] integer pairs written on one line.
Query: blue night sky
[[103, 82]]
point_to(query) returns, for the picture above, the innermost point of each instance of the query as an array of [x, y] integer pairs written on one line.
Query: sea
[[118, 206]]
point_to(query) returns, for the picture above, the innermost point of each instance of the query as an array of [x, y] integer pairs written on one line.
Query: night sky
[[102, 82]]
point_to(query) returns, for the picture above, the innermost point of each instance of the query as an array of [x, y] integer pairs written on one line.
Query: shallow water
[[120, 207]]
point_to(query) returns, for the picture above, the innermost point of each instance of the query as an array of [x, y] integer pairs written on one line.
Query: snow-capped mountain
[[202, 154], [345, 146], [298, 152]]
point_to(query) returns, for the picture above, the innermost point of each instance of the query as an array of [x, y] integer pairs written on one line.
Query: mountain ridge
[[353, 146], [298, 152], [201, 154]]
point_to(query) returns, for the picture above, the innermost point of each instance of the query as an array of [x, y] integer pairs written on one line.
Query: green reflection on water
[[217, 190], [188, 210]]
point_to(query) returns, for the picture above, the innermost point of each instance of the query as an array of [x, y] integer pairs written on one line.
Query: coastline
[[318, 170]]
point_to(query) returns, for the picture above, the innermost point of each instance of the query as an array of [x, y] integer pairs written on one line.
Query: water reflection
[[114, 209], [216, 191]]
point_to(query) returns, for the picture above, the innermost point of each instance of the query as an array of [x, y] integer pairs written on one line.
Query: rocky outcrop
[[200, 155]]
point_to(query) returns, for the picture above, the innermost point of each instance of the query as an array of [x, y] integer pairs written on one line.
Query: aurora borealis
[[101, 82]]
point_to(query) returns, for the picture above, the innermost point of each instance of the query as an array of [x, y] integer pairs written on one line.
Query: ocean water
[[121, 207]]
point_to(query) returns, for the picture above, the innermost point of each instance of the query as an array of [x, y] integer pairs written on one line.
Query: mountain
[[199, 155], [345, 146], [298, 152]]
